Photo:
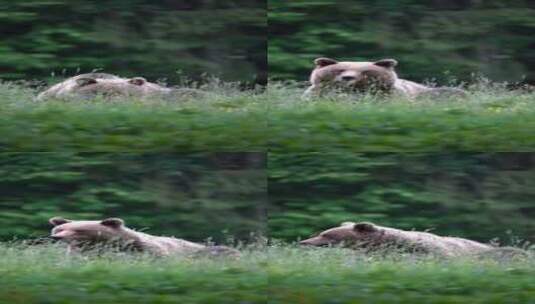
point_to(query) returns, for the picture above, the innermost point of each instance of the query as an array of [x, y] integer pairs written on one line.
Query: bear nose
[[306, 242], [347, 78]]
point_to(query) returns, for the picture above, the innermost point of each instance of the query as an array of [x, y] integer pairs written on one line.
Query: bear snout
[[315, 241], [62, 234]]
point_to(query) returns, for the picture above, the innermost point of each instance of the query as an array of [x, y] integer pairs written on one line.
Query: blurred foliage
[[442, 40], [189, 196], [475, 195], [154, 39]]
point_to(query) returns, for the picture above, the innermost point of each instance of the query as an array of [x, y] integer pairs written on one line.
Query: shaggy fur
[[373, 237], [83, 234], [88, 86], [375, 77]]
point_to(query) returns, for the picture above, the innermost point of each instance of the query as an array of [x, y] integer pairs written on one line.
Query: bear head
[[378, 76], [117, 87], [69, 231], [347, 233], [90, 85]]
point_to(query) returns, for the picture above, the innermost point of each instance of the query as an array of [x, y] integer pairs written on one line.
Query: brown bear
[[371, 237], [90, 85], [81, 235], [375, 77]]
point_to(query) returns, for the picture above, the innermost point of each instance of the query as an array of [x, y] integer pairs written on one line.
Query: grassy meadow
[[228, 119], [275, 274], [225, 119], [334, 275], [44, 274], [490, 119]]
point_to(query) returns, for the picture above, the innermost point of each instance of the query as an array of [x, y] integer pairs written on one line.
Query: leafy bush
[[480, 196], [490, 37], [154, 39], [193, 196]]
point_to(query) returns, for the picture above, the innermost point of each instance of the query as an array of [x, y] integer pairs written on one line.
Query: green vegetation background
[[196, 196], [481, 196], [442, 40], [154, 39], [475, 195]]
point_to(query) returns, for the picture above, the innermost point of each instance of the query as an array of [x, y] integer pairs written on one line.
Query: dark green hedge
[[428, 38], [195, 196], [476, 195], [154, 39], [190, 196]]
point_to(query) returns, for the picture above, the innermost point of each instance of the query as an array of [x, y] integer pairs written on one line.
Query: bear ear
[[347, 224], [386, 63], [139, 81], [113, 222], [56, 221], [364, 227], [85, 81], [321, 62]]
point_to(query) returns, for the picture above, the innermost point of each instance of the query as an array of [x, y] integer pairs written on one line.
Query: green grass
[[333, 275], [226, 119], [490, 119], [277, 274], [44, 274]]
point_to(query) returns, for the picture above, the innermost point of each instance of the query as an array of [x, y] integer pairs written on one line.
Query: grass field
[[490, 119], [331, 275], [277, 274], [227, 119], [44, 274]]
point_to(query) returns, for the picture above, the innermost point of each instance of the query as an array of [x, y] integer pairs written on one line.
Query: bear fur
[[374, 77], [80, 235], [372, 237], [90, 85]]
